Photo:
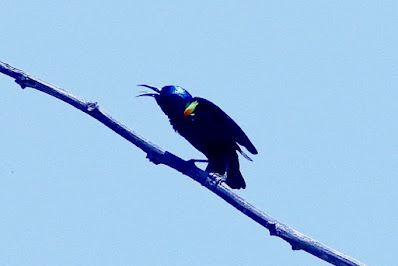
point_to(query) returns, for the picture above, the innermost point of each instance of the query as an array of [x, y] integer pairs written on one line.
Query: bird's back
[[210, 129]]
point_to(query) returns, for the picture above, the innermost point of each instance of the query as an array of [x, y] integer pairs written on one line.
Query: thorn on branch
[[153, 158], [272, 229], [91, 106], [295, 246], [25, 82], [275, 230]]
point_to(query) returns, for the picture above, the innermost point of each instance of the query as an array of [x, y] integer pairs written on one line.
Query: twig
[[159, 156]]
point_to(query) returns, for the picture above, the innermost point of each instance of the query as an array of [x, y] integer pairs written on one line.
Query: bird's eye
[[190, 108]]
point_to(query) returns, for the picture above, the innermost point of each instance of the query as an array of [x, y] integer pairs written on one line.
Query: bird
[[208, 128]]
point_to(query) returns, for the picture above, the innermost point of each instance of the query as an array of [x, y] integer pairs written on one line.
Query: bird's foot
[[217, 178]]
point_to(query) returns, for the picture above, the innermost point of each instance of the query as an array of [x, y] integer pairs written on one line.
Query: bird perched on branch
[[208, 128]]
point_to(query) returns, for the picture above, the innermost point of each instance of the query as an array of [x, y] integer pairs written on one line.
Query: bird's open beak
[[149, 93]]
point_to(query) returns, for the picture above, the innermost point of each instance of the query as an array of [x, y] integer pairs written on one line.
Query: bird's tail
[[229, 164], [234, 177]]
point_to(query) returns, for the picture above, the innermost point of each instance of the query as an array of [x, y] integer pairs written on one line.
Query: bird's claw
[[217, 178]]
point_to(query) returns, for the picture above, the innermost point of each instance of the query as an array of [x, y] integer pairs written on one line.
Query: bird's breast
[[209, 137]]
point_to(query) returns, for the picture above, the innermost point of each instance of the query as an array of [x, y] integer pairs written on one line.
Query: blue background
[[313, 84]]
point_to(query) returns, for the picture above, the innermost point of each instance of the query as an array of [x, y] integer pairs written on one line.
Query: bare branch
[[159, 156]]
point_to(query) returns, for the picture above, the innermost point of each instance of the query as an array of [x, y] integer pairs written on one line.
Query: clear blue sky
[[314, 85]]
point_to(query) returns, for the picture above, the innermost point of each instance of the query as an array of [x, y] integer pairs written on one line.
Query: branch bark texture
[[157, 155]]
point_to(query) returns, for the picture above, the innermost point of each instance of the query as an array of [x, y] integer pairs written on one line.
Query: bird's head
[[173, 100]]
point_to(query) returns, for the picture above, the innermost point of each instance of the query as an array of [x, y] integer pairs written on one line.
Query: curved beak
[[148, 93]]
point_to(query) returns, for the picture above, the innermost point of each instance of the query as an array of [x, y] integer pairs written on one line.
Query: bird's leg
[[222, 178], [193, 161]]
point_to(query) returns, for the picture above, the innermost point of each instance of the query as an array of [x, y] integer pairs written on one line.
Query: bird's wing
[[237, 133]]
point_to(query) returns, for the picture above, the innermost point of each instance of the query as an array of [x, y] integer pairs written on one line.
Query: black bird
[[208, 128]]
